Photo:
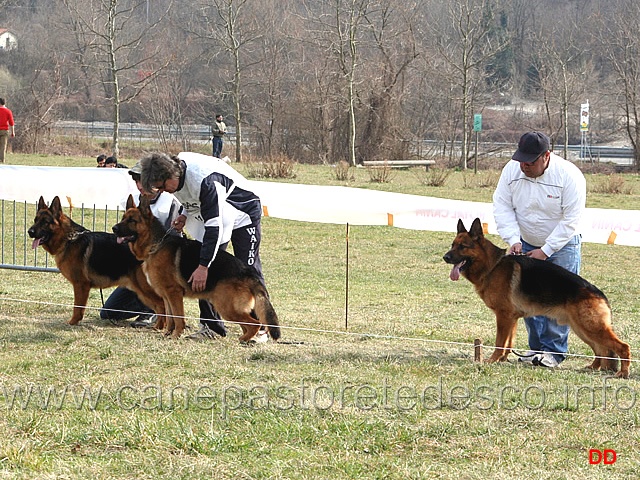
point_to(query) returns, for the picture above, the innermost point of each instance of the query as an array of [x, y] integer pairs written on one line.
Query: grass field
[[394, 394]]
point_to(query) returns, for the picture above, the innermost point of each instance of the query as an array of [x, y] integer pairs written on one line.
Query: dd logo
[[608, 457]]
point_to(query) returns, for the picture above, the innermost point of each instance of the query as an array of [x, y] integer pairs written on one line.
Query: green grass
[[396, 395]]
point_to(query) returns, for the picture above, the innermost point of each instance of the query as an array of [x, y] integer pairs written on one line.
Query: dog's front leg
[[80, 298], [161, 317], [506, 330], [168, 319], [175, 301], [149, 297]]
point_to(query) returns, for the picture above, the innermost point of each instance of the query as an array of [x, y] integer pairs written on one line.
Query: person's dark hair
[[157, 168], [101, 157], [1, 101], [110, 160]]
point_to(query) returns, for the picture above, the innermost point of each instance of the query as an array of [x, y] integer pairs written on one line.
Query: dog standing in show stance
[[234, 289], [515, 286], [88, 259]]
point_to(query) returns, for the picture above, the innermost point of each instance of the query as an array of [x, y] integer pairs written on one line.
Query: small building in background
[[8, 39]]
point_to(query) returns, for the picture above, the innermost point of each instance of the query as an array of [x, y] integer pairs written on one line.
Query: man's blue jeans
[[217, 146], [544, 333]]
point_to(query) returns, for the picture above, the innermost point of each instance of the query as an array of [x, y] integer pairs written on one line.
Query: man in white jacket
[[538, 205]]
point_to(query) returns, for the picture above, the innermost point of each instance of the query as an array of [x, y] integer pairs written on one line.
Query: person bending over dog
[[219, 208]]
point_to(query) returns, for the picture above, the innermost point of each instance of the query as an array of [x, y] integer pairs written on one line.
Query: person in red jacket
[[6, 128]]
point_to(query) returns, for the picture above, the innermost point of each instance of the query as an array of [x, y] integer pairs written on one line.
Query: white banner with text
[[109, 188]]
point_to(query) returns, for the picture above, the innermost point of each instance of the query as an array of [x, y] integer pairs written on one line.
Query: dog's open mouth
[[39, 241], [130, 238], [455, 271]]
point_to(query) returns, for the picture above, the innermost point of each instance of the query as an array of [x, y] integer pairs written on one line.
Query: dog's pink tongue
[[455, 272], [35, 244], [119, 239]]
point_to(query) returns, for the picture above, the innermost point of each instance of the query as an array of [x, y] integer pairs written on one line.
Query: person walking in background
[[7, 128], [537, 206], [218, 130]]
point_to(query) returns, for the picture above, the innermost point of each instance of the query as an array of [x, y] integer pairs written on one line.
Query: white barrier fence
[[97, 197]]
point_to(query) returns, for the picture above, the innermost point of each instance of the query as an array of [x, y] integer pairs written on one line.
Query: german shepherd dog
[[515, 286], [88, 259], [234, 289]]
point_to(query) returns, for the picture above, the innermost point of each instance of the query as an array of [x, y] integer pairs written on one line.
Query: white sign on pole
[[584, 117]]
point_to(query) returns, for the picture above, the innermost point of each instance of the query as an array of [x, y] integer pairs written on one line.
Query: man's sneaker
[[527, 357], [260, 337], [545, 360], [145, 320], [205, 333]]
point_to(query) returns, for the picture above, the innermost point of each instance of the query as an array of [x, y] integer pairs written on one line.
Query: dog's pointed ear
[[476, 229], [56, 206], [41, 203], [130, 202], [461, 228], [145, 205]]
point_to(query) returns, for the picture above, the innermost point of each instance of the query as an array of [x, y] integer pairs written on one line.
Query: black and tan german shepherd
[[516, 286], [234, 289], [88, 259]]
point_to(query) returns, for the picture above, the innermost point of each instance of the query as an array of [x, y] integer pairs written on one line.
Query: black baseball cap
[[531, 146]]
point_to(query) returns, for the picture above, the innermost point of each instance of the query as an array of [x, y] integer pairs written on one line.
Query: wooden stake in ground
[[477, 350]]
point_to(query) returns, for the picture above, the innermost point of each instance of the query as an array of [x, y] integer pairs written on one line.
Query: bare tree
[[118, 33], [325, 80], [338, 29], [165, 99], [36, 102], [272, 78], [82, 57], [231, 26], [522, 19], [618, 35], [562, 66], [466, 41], [349, 19], [394, 49], [173, 98], [310, 112]]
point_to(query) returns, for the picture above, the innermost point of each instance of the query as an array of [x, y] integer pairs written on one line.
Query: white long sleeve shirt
[[545, 211], [217, 200]]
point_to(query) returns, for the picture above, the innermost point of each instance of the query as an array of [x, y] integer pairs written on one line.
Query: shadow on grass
[[31, 337], [309, 354]]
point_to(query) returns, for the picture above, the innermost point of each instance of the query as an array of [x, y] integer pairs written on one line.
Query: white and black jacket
[[216, 199]]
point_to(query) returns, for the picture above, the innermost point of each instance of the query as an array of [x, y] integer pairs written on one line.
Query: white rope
[[327, 331]]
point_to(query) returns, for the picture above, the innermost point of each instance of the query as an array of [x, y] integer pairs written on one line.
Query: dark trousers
[[123, 304], [246, 247], [217, 146]]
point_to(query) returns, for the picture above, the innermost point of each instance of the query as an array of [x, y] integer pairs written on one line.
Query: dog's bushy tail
[[265, 312]]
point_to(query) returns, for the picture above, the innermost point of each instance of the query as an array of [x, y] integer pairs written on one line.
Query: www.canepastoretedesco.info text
[[606, 394]]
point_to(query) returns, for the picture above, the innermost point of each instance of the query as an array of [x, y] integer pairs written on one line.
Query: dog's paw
[[495, 358]]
